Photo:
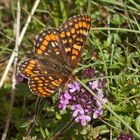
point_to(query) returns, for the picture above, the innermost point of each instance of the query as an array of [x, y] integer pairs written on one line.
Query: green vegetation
[[112, 48]]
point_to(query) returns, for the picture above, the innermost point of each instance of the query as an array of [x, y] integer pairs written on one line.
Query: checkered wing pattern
[[29, 67], [46, 85], [42, 81], [48, 46], [73, 34], [57, 53]]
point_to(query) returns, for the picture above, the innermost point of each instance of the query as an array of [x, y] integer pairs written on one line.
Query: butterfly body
[[57, 53]]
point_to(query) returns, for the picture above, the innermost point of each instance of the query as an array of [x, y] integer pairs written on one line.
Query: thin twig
[[63, 130], [20, 39], [4, 59], [34, 117], [9, 115]]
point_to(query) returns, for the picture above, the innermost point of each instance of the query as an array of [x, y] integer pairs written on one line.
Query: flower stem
[[63, 130]]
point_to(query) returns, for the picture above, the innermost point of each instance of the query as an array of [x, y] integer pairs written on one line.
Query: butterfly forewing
[[47, 46], [73, 34]]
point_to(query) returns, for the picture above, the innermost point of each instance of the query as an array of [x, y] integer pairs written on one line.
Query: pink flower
[[64, 100], [97, 113], [94, 84], [20, 78], [74, 86], [84, 106], [77, 109], [83, 119], [89, 73]]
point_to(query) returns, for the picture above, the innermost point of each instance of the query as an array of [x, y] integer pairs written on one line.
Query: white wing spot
[[53, 44], [56, 43], [43, 34], [57, 53], [85, 33], [40, 39], [37, 44], [46, 53]]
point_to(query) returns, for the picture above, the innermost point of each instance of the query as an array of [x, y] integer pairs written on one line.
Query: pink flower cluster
[[83, 105]]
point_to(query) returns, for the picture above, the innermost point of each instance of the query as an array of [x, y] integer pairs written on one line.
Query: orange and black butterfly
[[57, 53]]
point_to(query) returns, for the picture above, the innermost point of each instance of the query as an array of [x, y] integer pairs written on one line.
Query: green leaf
[[137, 123]]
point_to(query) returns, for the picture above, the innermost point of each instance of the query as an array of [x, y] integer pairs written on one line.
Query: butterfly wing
[[45, 71], [57, 52], [47, 46], [29, 67], [42, 80], [73, 34], [45, 85]]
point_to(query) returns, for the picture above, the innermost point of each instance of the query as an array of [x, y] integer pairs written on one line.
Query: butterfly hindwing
[[73, 34], [45, 85], [29, 67], [42, 80]]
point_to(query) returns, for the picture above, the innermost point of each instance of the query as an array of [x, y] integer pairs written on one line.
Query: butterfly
[[57, 53]]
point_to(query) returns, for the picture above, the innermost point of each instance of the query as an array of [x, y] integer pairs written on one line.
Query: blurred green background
[[112, 48]]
